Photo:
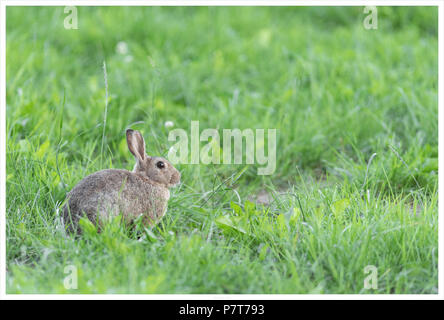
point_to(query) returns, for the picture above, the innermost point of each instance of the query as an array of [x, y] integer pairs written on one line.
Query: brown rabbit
[[107, 193]]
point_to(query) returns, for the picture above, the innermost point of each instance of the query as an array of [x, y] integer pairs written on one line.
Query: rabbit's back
[[110, 192]]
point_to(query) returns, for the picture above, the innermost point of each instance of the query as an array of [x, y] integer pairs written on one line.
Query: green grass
[[336, 93]]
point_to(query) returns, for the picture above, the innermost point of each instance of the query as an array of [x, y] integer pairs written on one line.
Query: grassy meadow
[[357, 147]]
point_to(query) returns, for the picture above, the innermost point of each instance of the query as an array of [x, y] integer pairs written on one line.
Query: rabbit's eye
[[160, 165]]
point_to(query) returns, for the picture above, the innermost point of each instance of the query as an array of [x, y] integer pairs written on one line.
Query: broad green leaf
[[236, 208], [87, 226], [42, 150], [226, 222], [338, 207], [292, 216], [282, 223], [150, 235], [250, 208]]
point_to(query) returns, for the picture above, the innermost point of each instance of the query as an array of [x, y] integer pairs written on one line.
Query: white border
[[215, 297]]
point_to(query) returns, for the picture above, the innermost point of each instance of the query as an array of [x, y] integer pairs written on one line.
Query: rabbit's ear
[[136, 144]]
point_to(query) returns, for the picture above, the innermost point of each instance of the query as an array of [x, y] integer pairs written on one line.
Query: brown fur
[[110, 192]]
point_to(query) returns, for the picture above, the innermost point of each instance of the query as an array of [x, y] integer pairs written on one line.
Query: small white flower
[[122, 47], [169, 124]]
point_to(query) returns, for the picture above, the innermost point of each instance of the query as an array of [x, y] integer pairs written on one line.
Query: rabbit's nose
[[175, 178]]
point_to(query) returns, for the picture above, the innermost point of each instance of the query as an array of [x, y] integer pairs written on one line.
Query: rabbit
[[107, 193]]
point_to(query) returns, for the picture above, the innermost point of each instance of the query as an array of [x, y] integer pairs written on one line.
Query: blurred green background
[[336, 93]]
